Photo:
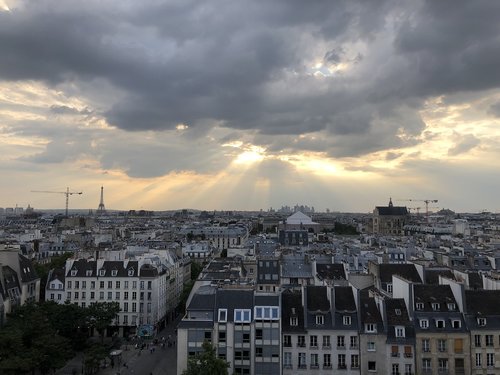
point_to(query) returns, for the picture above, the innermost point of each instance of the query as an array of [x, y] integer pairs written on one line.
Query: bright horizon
[[174, 104]]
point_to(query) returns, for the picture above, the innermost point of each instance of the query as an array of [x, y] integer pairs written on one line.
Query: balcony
[[427, 370], [287, 344], [301, 344], [342, 367], [340, 347], [408, 355], [395, 354], [327, 367], [315, 367], [459, 370], [302, 367], [443, 371], [288, 366]]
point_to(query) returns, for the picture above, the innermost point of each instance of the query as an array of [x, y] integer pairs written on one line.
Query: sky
[[250, 104]]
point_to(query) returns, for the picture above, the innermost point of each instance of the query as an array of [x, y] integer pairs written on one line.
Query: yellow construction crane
[[67, 193], [426, 201]]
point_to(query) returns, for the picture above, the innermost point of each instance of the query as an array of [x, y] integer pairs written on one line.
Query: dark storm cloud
[[245, 65]]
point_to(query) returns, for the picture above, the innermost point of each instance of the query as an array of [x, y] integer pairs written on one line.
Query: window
[[293, 321], [92, 285], [408, 369], [408, 352], [266, 313], [258, 334], [74, 272], [340, 342], [131, 272], [400, 331], [481, 322], [452, 307], [354, 342], [354, 361], [426, 364], [88, 273], [370, 328], [84, 284], [314, 360], [302, 360], [346, 320], [287, 359], [441, 345], [134, 295], [398, 312], [326, 341], [313, 341], [456, 323], [117, 295], [341, 361], [102, 272], [110, 285], [320, 320], [395, 369], [490, 359], [208, 335], [389, 288], [101, 284], [394, 351], [114, 272], [126, 285], [477, 341], [478, 359], [287, 341], [458, 345], [370, 346], [222, 315], [69, 284], [125, 307], [117, 285], [242, 316], [301, 341], [419, 306], [435, 306], [222, 336], [442, 364], [372, 366], [489, 340], [68, 295], [439, 323], [327, 361], [246, 338], [52, 296], [258, 352], [110, 295], [426, 346], [101, 295]]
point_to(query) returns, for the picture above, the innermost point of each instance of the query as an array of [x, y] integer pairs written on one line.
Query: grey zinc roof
[[26, 269], [232, 299], [296, 268], [408, 271]]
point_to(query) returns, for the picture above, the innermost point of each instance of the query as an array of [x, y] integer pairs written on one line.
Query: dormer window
[[73, 272], [131, 272], [424, 323], [102, 272], [346, 320], [481, 322], [389, 288], [435, 306], [456, 323], [420, 306], [294, 322], [320, 320], [398, 312], [88, 273], [400, 331], [222, 315], [114, 272], [440, 323], [371, 328], [452, 307]]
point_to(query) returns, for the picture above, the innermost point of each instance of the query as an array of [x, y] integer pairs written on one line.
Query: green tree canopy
[[206, 363], [101, 315]]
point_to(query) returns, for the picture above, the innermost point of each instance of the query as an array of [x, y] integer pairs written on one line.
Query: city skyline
[[249, 105]]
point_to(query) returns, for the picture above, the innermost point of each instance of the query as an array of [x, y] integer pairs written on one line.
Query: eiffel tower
[[101, 209]]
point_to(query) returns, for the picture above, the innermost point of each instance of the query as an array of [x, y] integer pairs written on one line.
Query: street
[[153, 360]]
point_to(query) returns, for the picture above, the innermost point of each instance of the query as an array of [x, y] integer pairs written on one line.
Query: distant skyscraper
[[101, 209]]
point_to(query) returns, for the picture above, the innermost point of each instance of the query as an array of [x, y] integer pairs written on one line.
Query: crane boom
[[67, 193], [426, 201]]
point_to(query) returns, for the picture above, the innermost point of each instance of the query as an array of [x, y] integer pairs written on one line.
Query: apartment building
[[482, 314], [243, 325]]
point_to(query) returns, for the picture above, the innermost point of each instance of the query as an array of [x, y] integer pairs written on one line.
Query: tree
[[196, 269], [206, 363], [101, 314]]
